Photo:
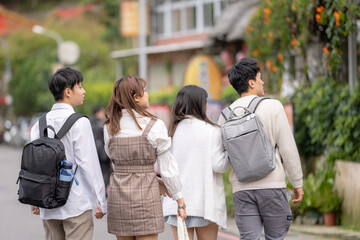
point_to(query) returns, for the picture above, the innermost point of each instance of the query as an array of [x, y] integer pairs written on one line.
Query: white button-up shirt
[[81, 151]]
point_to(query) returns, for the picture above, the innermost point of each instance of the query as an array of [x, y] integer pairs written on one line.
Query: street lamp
[[54, 35], [68, 52]]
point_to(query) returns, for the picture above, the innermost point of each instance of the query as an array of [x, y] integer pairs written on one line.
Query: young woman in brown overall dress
[[134, 140]]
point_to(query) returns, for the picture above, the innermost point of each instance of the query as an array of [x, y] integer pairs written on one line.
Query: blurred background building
[[181, 30]]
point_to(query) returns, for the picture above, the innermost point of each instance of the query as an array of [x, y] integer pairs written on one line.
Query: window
[[160, 23], [176, 21], [179, 17], [190, 18], [209, 15]]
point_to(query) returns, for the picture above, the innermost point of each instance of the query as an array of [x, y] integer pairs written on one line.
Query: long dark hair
[[190, 100], [123, 98]]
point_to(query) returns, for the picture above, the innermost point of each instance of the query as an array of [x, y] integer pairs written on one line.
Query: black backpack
[[40, 168]]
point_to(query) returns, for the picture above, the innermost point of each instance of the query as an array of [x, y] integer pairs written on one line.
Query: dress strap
[[148, 127]]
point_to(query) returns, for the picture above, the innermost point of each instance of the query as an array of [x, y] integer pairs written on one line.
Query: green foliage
[[311, 199], [320, 194], [229, 95], [344, 140], [33, 56], [97, 93], [282, 28], [31, 65], [327, 117], [165, 96]]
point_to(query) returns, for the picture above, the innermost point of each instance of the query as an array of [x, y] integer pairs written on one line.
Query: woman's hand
[[163, 190], [98, 213], [181, 208], [182, 213]]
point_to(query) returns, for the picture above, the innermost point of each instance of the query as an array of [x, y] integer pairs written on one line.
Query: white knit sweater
[[198, 149], [272, 115]]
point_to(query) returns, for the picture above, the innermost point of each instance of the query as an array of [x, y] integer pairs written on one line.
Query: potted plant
[[330, 202]]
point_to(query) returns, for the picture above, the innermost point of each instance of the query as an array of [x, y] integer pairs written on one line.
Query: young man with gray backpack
[[261, 148], [64, 217]]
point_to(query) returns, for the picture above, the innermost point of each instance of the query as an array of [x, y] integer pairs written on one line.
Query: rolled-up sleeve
[[169, 171]]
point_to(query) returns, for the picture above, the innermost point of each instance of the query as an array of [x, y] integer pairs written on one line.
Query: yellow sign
[[203, 72], [129, 21], [129, 18]]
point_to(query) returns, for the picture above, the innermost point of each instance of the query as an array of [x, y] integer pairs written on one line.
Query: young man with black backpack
[[74, 219], [261, 201]]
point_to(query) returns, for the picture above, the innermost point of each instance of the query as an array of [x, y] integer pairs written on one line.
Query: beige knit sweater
[[272, 115]]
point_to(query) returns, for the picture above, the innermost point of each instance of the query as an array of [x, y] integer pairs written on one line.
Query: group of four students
[[190, 157]]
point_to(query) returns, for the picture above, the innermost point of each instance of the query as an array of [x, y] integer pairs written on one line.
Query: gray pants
[[268, 208]]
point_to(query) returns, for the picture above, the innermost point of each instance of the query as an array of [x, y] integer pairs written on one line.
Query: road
[[17, 222]]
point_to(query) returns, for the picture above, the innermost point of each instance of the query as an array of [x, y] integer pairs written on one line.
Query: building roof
[[159, 49], [233, 21]]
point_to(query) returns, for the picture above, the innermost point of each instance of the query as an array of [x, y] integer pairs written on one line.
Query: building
[[182, 29]]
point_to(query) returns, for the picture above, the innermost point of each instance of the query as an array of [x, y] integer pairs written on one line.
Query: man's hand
[[35, 210], [98, 213], [163, 190], [298, 195]]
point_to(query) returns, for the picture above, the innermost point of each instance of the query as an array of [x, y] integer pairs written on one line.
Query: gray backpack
[[251, 154]]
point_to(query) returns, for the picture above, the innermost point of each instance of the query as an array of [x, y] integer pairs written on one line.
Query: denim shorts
[[190, 221]]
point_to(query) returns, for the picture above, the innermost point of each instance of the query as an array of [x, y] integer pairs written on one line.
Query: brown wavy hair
[[190, 101], [123, 98]]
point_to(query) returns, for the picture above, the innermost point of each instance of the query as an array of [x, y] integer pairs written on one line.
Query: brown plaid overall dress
[[134, 203]]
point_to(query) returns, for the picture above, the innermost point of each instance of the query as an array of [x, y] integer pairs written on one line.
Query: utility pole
[[142, 39], [352, 50]]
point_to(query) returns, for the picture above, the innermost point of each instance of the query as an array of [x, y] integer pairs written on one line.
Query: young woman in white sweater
[[198, 149]]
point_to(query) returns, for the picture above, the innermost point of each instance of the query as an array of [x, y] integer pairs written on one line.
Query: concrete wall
[[178, 73], [347, 183], [157, 77]]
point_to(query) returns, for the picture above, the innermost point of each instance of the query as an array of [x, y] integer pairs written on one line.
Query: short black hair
[[240, 74], [63, 78], [96, 109]]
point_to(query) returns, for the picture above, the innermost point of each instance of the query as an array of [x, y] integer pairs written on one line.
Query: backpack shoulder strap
[[42, 126], [68, 124], [254, 103], [226, 112]]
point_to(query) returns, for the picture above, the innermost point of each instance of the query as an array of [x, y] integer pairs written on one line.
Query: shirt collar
[[58, 106]]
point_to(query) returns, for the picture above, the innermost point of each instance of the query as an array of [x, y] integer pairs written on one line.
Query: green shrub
[[344, 140], [165, 96], [229, 95], [327, 118], [97, 93]]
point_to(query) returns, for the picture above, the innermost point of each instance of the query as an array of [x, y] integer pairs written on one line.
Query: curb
[[321, 230]]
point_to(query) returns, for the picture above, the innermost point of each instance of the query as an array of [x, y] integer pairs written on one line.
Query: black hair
[[63, 78], [240, 74], [96, 109], [190, 100]]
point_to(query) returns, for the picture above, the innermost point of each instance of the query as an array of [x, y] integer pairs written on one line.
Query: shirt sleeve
[[287, 148], [219, 157], [169, 171], [106, 140], [88, 163], [34, 133]]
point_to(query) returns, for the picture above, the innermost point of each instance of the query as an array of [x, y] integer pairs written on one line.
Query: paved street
[[17, 222]]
